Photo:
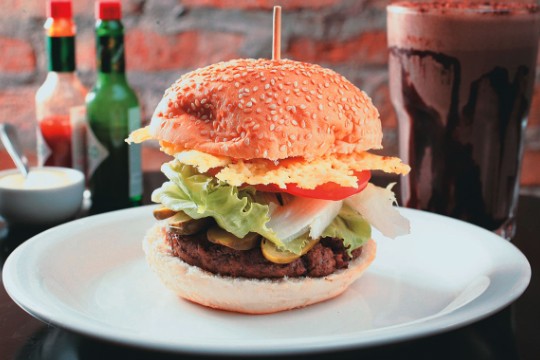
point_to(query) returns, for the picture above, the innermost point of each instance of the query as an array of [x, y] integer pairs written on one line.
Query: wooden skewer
[[276, 45]]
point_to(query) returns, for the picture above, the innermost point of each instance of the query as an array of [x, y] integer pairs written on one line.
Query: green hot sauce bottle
[[114, 167]]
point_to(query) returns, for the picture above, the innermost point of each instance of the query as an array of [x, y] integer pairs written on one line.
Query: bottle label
[[135, 171], [110, 54], [96, 152], [61, 139], [77, 117], [61, 53], [43, 150]]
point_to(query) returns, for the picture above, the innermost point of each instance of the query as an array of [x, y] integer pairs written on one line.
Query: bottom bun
[[251, 296]]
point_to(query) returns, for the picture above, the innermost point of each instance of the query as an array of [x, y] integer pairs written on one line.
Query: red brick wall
[[166, 38]]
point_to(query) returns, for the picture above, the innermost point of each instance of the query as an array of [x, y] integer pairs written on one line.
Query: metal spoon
[[8, 135]]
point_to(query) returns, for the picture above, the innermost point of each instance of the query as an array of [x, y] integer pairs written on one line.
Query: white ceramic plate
[[90, 276]]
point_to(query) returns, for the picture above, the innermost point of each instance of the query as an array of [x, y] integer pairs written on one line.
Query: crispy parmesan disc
[[271, 109]]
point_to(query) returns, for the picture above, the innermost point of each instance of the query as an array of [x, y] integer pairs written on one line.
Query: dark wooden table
[[512, 333]]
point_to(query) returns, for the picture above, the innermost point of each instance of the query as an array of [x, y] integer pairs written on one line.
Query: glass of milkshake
[[461, 81]]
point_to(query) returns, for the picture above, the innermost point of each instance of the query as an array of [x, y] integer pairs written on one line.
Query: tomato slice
[[327, 191]]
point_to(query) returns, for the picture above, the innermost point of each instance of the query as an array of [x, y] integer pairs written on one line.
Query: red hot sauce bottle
[[60, 101]]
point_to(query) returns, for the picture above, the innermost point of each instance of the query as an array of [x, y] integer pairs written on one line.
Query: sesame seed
[[320, 107], [265, 153], [237, 84], [272, 127], [272, 106], [283, 147], [249, 104], [267, 86], [273, 82], [294, 122], [255, 88], [303, 107]]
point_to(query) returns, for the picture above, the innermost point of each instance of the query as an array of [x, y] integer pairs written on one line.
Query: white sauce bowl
[[49, 196]]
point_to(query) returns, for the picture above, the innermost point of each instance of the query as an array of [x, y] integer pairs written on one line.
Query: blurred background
[[166, 38]]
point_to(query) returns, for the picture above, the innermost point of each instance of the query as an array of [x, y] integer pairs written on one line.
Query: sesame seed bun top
[[272, 109]]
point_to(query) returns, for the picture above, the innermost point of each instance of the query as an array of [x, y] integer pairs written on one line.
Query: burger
[[268, 206]]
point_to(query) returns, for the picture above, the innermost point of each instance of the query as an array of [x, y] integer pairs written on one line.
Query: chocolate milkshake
[[461, 82]]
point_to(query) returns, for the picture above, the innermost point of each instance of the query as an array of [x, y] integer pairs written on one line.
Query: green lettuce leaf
[[241, 211], [199, 196], [349, 226]]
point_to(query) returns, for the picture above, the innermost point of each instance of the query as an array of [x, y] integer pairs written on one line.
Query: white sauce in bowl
[[37, 179]]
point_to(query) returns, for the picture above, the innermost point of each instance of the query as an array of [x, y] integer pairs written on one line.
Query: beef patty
[[323, 259]]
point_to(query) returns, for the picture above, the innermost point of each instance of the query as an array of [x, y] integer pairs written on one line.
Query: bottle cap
[[108, 10], [59, 9]]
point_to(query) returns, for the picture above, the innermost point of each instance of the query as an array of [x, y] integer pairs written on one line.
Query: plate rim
[[430, 325]]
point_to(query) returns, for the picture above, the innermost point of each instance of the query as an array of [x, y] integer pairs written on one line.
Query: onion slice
[[375, 204], [300, 215]]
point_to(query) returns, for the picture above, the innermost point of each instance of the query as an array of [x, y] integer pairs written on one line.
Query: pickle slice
[[162, 213], [271, 252], [219, 236], [182, 224]]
